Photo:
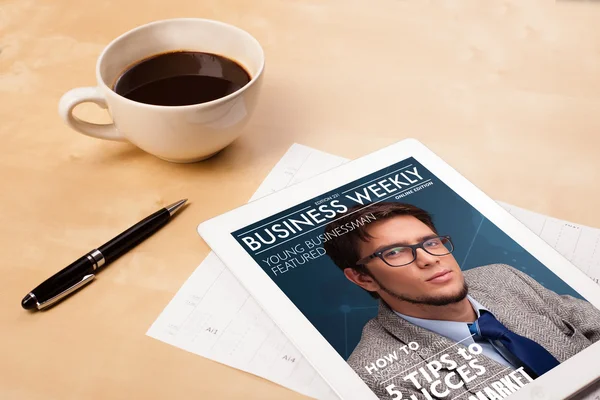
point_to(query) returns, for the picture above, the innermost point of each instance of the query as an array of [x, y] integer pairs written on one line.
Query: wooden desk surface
[[508, 92]]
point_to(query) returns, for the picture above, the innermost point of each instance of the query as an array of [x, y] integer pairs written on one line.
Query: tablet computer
[[397, 278]]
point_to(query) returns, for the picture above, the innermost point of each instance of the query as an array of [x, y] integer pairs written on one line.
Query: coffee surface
[[181, 78]]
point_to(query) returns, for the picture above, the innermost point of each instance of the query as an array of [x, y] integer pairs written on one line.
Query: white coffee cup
[[173, 133]]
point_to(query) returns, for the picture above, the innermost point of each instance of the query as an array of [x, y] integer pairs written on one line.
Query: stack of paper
[[212, 315]]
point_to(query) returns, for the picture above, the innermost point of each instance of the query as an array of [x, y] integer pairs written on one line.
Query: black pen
[[82, 271]]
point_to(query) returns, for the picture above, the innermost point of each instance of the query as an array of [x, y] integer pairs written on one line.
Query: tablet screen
[[418, 291]]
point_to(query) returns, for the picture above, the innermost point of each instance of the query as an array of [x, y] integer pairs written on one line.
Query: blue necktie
[[535, 359]]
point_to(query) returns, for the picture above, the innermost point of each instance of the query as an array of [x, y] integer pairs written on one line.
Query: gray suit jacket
[[562, 324]]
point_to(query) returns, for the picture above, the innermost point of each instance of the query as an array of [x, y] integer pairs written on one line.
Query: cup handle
[[76, 96]]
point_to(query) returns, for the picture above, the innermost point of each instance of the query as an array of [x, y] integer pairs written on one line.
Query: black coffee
[[181, 78]]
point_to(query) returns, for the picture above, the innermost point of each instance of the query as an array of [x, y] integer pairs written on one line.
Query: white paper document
[[578, 243], [212, 315]]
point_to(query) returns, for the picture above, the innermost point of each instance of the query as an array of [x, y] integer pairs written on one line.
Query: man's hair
[[343, 250]]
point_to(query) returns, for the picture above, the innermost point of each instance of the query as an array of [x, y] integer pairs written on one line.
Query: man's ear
[[362, 279]]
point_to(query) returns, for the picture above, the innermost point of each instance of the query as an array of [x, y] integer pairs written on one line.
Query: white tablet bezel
[[559, 383]]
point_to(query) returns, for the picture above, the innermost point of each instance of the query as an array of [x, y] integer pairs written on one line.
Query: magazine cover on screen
[[422, 295]]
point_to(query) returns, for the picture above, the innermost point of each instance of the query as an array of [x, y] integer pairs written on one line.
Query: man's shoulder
[[501, 282], [375, 341], [372, 338]]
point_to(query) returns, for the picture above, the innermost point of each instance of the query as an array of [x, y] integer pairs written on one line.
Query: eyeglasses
[[399, 255]]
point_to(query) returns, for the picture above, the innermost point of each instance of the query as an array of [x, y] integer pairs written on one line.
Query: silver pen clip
[[85, 280]]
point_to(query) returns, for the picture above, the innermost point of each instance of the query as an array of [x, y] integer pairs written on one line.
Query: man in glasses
[[438, 323]]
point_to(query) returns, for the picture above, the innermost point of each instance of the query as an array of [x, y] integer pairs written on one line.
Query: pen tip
[[175, 206], [28, 302]]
